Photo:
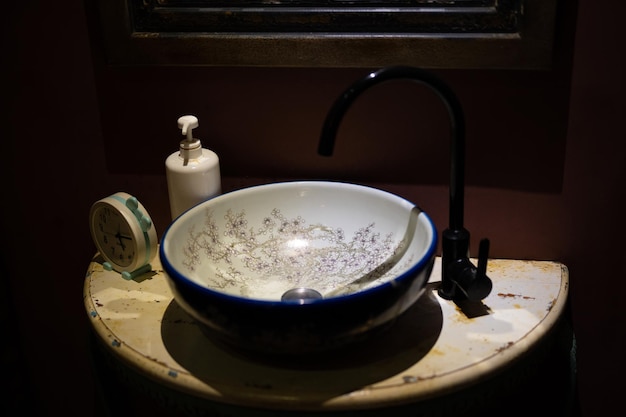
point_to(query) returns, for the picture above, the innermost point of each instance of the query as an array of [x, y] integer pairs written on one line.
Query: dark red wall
[[546, 155]]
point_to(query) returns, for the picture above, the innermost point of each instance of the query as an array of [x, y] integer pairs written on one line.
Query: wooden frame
[[329, 33]]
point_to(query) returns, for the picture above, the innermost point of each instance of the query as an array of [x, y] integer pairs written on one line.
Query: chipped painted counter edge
[[527, 302]]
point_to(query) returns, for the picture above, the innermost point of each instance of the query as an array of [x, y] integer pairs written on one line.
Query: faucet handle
[[483, 255], [480, 286]]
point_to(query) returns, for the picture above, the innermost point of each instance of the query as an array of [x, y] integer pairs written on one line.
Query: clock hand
[[119, 236], [120, 242]]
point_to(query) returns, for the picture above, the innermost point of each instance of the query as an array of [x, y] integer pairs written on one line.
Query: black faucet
[[460, 279]]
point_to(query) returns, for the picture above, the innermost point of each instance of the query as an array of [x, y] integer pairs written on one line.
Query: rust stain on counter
[[509, 295]]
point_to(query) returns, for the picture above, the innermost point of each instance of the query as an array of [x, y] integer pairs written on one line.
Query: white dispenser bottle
[[193, 172]]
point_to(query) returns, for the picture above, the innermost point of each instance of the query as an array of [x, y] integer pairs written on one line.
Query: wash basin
[[298, 267]]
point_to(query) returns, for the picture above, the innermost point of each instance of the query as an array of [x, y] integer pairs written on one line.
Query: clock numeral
[[104, 215]]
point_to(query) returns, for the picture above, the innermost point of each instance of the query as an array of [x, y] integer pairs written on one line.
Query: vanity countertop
[[437, 349]]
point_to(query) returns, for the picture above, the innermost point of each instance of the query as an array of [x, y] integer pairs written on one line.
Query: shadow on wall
[[266, 123]]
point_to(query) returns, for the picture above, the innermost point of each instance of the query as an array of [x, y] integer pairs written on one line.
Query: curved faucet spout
[[460, 279], [457, 126]]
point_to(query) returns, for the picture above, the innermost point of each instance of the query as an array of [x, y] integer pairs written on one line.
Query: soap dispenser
[[193, 172]]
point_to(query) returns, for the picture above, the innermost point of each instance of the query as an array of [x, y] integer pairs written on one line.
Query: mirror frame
[[459, 34]]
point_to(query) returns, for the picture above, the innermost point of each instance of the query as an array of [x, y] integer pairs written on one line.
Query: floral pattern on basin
[[277, 253]]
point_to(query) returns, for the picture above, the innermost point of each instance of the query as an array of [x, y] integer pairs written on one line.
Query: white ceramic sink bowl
[[229, 260]]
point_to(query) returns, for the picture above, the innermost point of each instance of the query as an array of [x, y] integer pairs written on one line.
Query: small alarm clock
[[124, 234]]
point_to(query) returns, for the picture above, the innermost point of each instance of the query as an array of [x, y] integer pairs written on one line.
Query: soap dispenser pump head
[[190, 148]]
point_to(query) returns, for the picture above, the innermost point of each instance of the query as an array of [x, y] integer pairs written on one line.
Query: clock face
[[113, 236]]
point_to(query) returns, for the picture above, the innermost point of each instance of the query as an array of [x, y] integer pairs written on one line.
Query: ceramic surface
[[335, 238], [230, 260]]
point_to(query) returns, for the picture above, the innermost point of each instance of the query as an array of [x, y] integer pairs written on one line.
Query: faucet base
[[460, 279]]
